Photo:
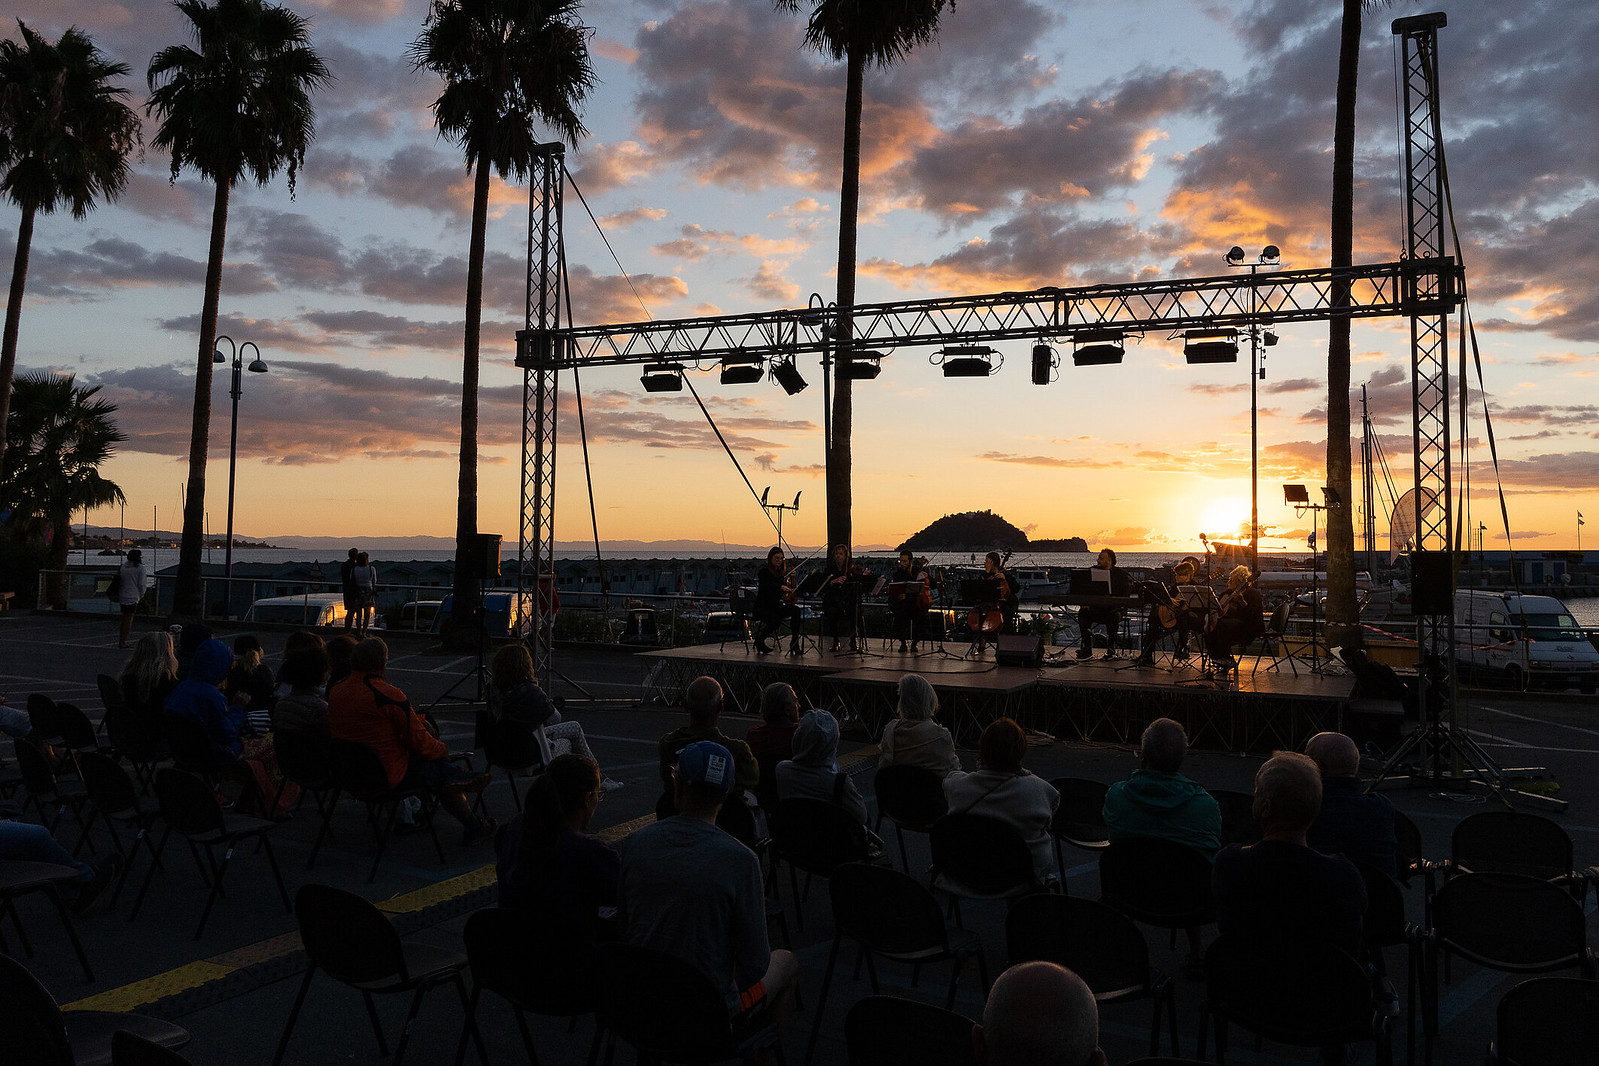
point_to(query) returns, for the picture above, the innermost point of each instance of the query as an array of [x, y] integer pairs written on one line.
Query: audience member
[[1280, 890], [340, 650], [692, 891], [1039, 1014], [913, 738], [199, 699], [1360, 825], [298, 641], [302, 708], [26, 842], [1158, 801], [548, 865], [1000, 788], [187, 640], [149, 677], [250, 683], [515, 697], [703, 701], [813, 772], [773, 739], [370, 711], [15, 722]]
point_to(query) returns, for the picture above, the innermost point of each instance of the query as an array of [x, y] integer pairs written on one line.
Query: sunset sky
[[1035, 143]]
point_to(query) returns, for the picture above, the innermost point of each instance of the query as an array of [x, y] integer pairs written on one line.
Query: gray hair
[[1040, 1014], [917, 700], [1164, 744]]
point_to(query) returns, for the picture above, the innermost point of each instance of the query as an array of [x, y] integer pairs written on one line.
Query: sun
[[1226, 517]]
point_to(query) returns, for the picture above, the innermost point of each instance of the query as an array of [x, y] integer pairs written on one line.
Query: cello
[[987, 618]]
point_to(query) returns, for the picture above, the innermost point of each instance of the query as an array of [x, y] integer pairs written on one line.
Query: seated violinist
[[841, 595], [1111, 617], [1241, 619], [909, 599], [774, 604], [1168, 614]]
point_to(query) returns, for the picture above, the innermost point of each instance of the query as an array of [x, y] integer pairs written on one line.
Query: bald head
[[1334, 754], [1287, 796], [1164, 745], [1039, 1014], [703, 701]]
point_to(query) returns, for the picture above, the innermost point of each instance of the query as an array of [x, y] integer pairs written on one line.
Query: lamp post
[[818, 312], [257, 366], [1297, 497], [1259, 333]]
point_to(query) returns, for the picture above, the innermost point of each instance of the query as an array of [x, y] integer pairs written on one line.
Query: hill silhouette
[[980, 531]]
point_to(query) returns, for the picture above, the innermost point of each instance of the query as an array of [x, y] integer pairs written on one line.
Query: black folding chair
[[189, 808], [1550, 1021], [306, 760], [353, 943], [114, 799], [46, 724], [135, 741], [520, 958], [1157, 882], [889, 1031], [21, 878], [816, 837], [1273, 642], [510, 746], [1080, 818], [912, 797], [130, 1049], [1099, 944], [668, 1011], [38, 1032], [1514, 842], [1238, 825], [980, 858], [47, 792], [359, 772]]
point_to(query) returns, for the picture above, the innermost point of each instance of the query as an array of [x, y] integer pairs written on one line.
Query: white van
[[312, 609], [1525, 641]]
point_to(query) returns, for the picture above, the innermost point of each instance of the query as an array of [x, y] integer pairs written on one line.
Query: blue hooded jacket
[[198, 699]]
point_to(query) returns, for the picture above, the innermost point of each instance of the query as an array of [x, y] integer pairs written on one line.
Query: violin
[[924, 598]]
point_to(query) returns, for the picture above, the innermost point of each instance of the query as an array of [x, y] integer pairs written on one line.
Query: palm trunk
[[8, 349], [60, 549], [188, 598], [465, 591], [839, 523], [1342, 612]]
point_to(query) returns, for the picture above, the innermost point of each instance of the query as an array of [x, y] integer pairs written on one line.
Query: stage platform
[[1102, 700]]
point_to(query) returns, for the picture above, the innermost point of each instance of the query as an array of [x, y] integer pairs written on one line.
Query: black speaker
[[1432, 583], [487, 553], [1019, 651]]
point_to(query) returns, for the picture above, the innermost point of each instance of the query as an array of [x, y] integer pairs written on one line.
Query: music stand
[[807, 590]]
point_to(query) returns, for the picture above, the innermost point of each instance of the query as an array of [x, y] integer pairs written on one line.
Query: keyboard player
[[1115, 582]]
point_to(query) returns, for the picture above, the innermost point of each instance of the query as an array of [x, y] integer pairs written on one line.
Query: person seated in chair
[[515, 697], [1000, 788], [302, 709], [773, 739], [26, 842], [913, 738], [1158, 800], [1039, 1014], [1111, 617], [774, 604], [1242, 619], [1281, 890], [703, 702], [813, 772], [366, 709], [1357, 824], [692, 891], [1169, 615], [198, 698]]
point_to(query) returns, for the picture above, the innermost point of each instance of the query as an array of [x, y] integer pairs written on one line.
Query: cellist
[[910, 599], [775, 604]]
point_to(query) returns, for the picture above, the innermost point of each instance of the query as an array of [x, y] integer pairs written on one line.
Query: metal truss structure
[[1425, 286]]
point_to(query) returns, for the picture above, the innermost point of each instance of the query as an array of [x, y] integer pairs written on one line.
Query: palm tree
[[238, 104], [858, 32], [65, 137], [506, 64], [60, 437], [1343, 612]]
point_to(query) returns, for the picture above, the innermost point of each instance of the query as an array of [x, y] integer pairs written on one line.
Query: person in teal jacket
[[1158, 801]]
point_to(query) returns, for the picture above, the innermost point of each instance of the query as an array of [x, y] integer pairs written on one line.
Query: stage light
[[1295, 494], [1235, 255], [1098, 348], [1269, 339], [1044, 364], [742, 369], [1331, 496], [864, 366], [663, 377], [1270, 254], [787, 375], [967, 361], [1211, 345]]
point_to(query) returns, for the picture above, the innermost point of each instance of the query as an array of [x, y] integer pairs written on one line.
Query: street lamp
[[1260, 333], [257, 366]]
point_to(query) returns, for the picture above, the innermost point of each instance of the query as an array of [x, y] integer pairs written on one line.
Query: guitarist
[[1168, 613], [775, 604], [1241, 619]]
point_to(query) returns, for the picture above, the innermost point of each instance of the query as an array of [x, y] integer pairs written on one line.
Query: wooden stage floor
[[1104, 700]]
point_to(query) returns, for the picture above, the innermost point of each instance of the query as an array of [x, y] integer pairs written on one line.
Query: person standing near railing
[[130, 590]]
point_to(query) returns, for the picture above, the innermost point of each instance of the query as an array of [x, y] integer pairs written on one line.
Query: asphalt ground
[[234, 988]]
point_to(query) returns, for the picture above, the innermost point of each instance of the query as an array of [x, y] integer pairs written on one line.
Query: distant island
[[972, 531]]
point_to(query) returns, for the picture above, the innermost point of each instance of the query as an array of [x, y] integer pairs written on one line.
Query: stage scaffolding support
[[1424, 286]]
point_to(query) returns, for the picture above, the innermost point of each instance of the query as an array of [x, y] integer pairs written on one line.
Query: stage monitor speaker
[[1432, 583], [1018, 650], [487, 554]]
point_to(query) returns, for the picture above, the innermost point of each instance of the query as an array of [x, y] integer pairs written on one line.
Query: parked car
[[311, 609], [1523, 641]]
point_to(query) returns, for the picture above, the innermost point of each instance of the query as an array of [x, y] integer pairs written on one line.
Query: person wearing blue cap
[[692, 891]]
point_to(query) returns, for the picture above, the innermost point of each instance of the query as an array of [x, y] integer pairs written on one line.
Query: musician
[[774, 604], [994, 567], [1241, 619], [910, 602], [1169, 612], [841, 596], [1111, 617], [979, 620]]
